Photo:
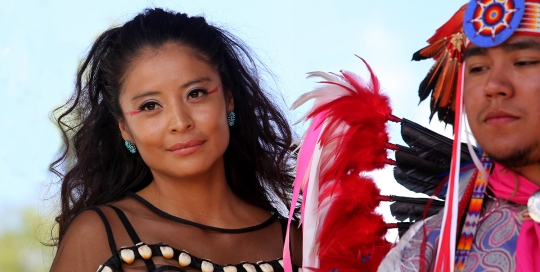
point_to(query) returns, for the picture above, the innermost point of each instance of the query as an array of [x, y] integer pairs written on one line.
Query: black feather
[[416, 185], [403, 228], [430, 145], [408, 157], [423, 165], [413, 208], [446, 115]]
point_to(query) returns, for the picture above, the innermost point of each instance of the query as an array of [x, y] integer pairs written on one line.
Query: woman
[[176, 157]]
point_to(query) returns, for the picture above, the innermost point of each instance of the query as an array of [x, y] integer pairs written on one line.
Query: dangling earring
[[231, 117], [130, 147]]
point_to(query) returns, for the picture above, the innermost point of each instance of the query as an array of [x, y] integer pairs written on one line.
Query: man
[[497, 50]]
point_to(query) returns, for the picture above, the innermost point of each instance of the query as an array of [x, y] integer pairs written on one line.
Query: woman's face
[[175, 111]]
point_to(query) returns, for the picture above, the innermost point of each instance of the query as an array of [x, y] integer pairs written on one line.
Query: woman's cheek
[[150, 131]]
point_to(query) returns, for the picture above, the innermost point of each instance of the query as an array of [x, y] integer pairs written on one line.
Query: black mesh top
[[133, 235]]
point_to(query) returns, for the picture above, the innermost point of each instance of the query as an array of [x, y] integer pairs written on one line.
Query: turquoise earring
[[130, 147], [231, 118]]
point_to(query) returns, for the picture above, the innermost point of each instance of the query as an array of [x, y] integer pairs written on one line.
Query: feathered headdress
[[446, 47]]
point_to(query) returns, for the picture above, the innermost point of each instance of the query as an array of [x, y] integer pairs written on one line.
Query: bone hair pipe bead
[[184, 259], [249, 267], [230, 268], [128, 256], [167, 252], [207, 266], [266, 267], [145, 252], [102, 268]]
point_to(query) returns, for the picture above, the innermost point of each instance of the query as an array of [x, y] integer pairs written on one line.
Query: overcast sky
[[42, 42]]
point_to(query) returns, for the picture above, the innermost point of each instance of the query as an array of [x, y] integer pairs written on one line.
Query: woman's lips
[[186, 148]]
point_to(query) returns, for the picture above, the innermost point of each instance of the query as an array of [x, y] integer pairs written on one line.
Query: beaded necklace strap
[[468, 231]]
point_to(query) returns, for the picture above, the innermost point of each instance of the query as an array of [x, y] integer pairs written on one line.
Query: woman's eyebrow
[[195, 81], [150, 93]]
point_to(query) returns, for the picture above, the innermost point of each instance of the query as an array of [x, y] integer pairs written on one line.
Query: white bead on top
[[144, 251], [102, 268], [207, 266], [230, 268], [167, 252], [128, 256], [184, 259], [249, 267], [266, 267]]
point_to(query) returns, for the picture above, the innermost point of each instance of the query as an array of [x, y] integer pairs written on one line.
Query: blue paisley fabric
[[494, 247]]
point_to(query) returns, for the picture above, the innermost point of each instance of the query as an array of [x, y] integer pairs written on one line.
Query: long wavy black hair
[[95, 167]]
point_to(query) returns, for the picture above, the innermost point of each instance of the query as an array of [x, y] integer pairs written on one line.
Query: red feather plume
[[353, 142]]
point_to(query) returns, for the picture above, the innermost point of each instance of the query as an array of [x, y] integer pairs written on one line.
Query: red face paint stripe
[[215, 89], [131, 113]]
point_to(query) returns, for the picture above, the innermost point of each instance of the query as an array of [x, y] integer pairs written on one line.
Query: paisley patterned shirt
[[494, 247]]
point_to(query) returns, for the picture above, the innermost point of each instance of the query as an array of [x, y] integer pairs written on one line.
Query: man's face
[[502, 99]]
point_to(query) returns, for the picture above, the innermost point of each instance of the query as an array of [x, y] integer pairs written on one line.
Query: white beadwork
[[167, 252], [128, 256], [207, 266], [184, 259], [230, 268], [266, 267], [145, 252], [249, 267], [104, 269], [532, 23]]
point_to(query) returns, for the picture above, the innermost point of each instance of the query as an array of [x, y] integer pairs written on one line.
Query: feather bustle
[[353, 142]]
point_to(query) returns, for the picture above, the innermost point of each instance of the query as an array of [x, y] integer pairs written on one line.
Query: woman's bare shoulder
[[85, 245]]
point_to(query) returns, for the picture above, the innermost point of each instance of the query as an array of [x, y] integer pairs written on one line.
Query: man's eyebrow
[[474, 51], [185, 85], [521, 45]]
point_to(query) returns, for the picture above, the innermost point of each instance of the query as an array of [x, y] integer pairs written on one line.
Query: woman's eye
[[196, 93], [148, 106]]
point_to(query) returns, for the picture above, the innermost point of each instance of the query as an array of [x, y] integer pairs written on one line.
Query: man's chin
[[516, 157]]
